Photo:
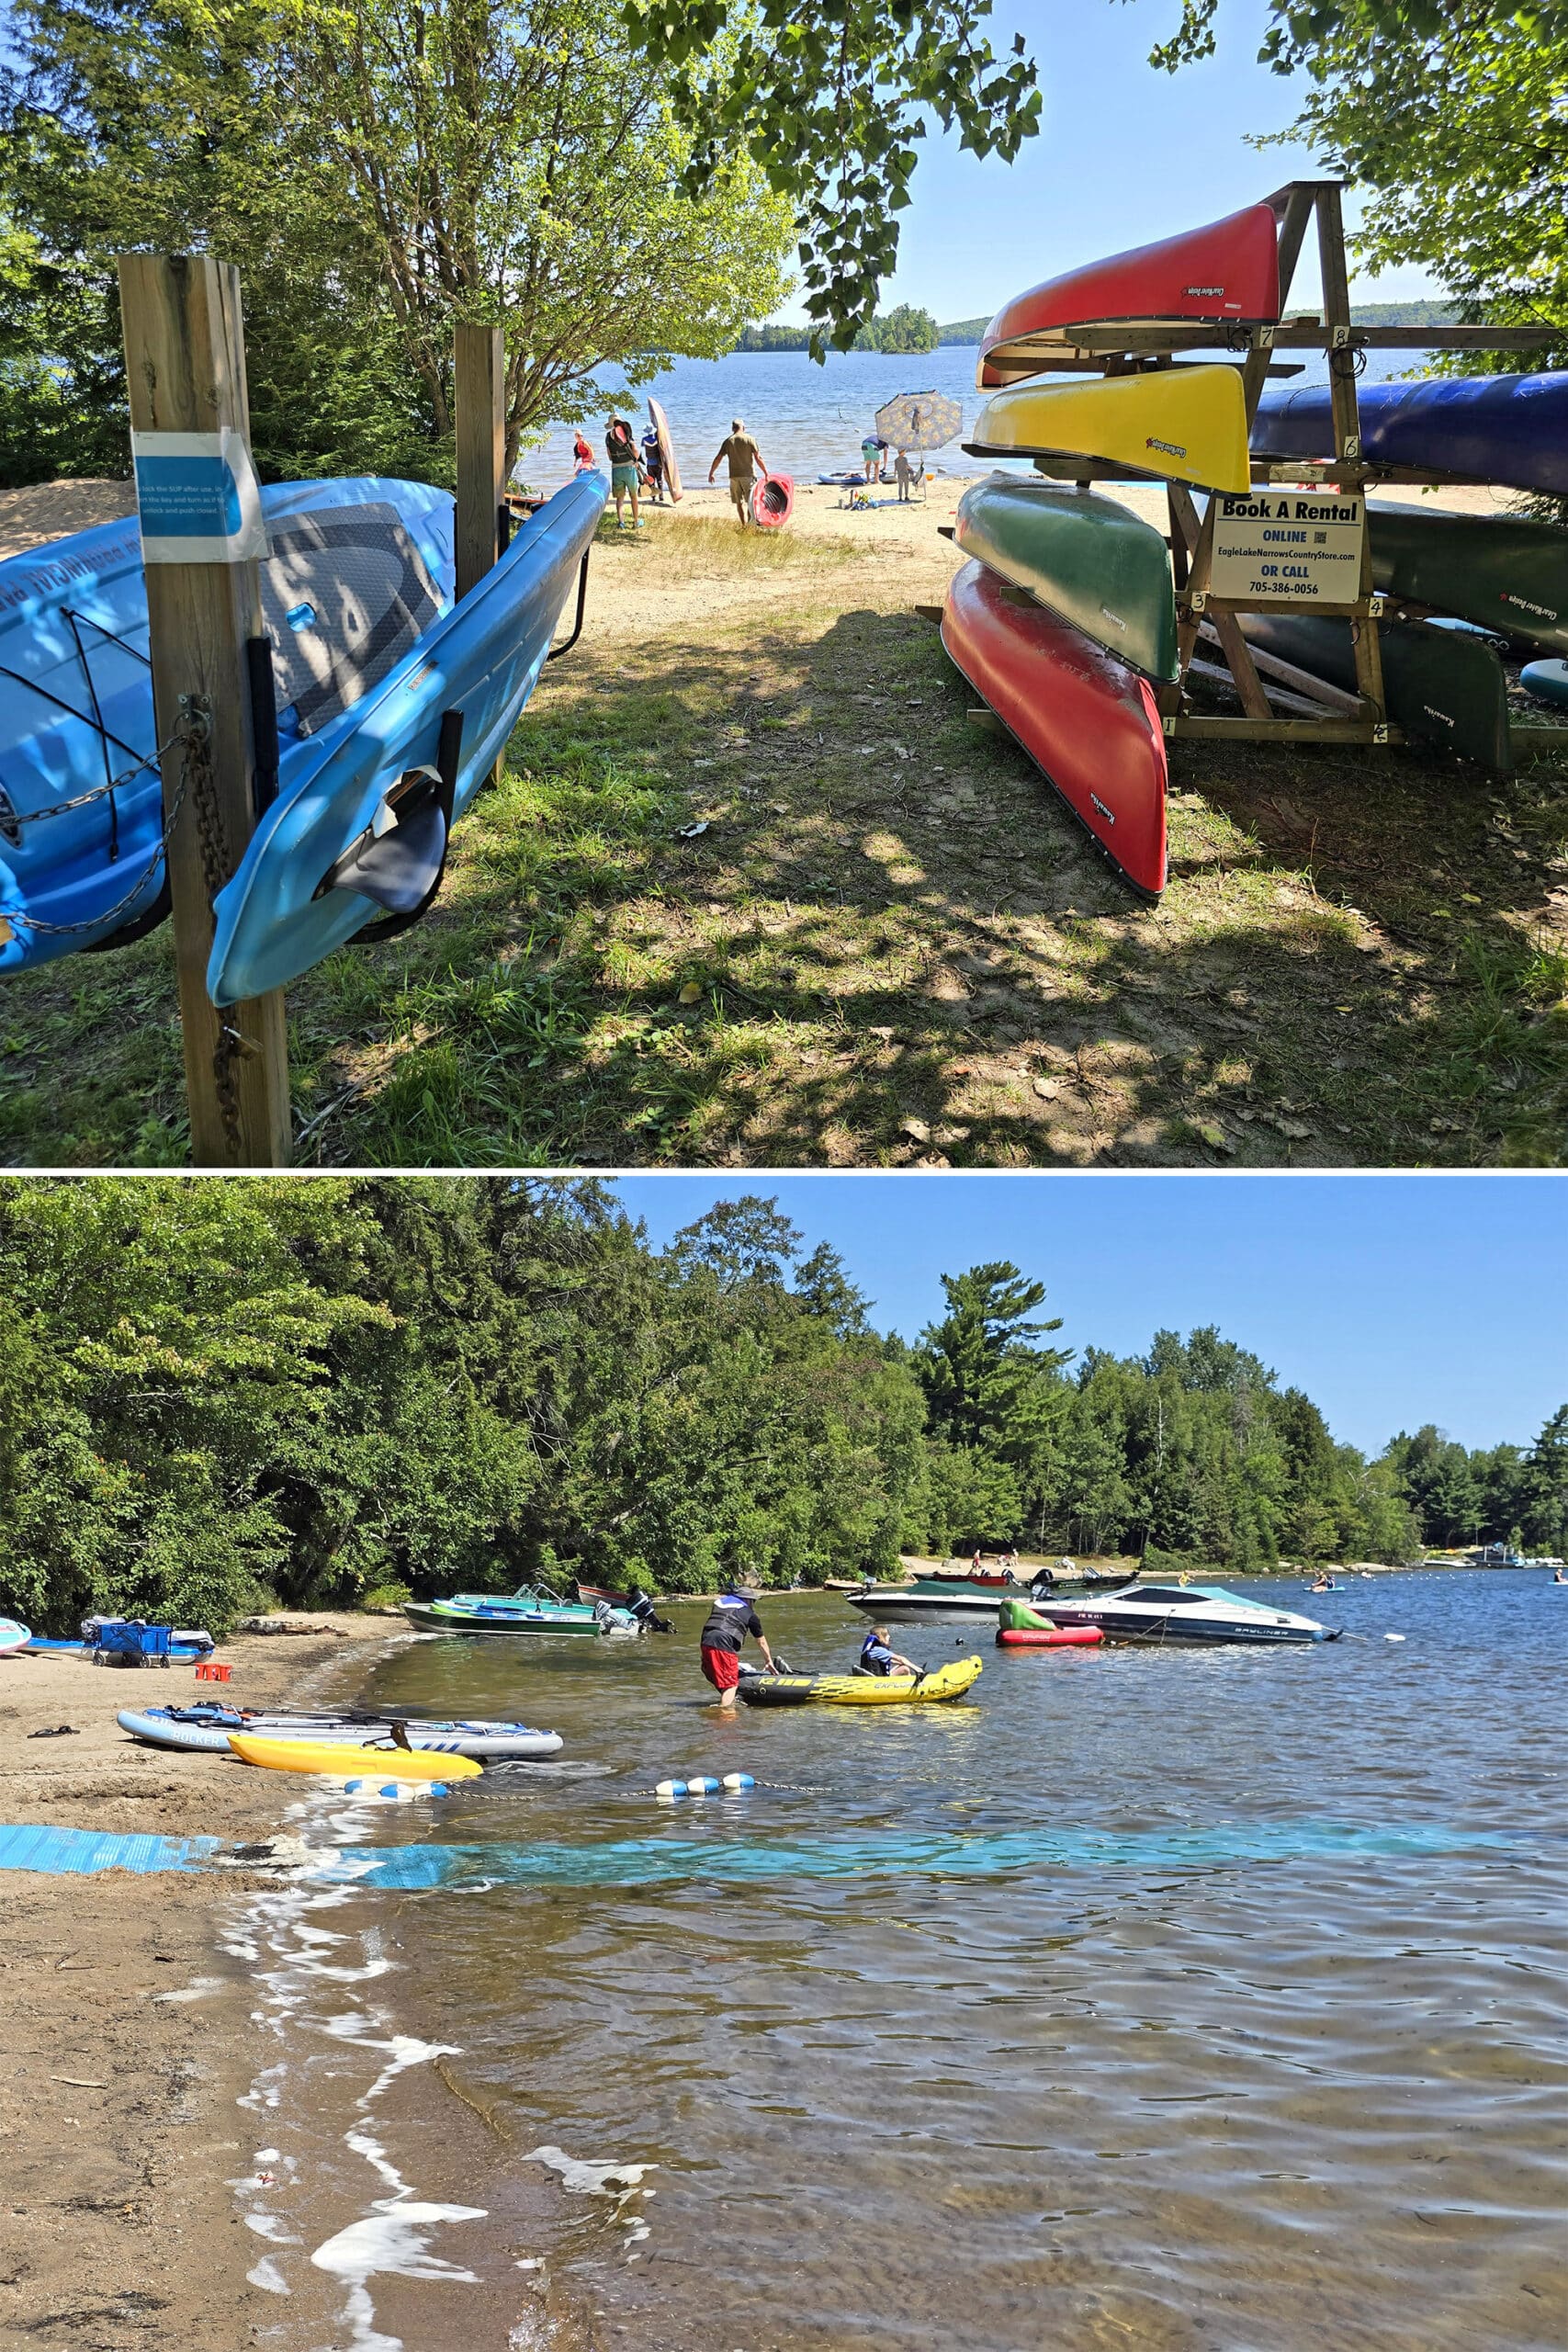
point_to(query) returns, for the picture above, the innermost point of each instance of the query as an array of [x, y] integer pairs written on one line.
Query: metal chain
[[17, 817]]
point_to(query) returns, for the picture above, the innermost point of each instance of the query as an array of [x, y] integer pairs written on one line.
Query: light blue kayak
[[1548, 681], [82, 864], [357, 834]]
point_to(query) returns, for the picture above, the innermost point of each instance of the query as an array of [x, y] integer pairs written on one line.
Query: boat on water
[[207, 1729], [527, 1610], [1090, 560], [1498, 571], [1444, 688], [940, 1601], [759, 1688], [1202, 1614], [1176, 424], [1510, 430], [1225, 274], [1089, 722]]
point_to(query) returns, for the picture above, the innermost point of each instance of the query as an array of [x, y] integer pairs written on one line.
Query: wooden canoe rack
[[1280, 704]]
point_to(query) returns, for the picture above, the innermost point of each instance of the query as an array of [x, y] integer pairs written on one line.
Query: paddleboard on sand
[[377, 1763], [1090, 560], [1228, 272], [1089, 724], [12, 1635], [1512, 430], [666, 450], [1187, 425]]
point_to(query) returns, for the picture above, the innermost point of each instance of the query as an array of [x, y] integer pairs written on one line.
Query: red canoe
[[1090, 724], [1228, 273], [1061, 1637]]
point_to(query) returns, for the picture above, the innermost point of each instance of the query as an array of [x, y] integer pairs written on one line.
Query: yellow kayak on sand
[[328, 1757], [861, 1690], [1174, 425]]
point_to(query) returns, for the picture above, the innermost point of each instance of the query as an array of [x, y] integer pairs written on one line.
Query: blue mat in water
[[72, 1851], [649, 1862]]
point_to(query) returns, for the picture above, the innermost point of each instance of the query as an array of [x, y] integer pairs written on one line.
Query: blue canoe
[[358, 834], [1512, 430], [76, 705], [357, 589]]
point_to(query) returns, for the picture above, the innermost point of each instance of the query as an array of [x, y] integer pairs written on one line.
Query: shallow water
[[809, 420], [1156, 1999]]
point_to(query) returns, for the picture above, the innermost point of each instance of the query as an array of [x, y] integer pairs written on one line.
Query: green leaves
[[830, 105]]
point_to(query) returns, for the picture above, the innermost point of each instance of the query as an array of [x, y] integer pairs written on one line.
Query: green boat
[[527, 1611], [1089, 560], [1493, 568], [1443, 688]]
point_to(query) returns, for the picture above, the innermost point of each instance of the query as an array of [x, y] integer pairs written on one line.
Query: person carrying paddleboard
[[745, 460], [730, 1619]]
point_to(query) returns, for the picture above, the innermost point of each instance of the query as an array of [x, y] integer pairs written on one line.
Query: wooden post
[[479, 405], [1348, 420], [185, 372]]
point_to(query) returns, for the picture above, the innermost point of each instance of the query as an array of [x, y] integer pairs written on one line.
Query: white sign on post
[[198, 498], [1296, 546]]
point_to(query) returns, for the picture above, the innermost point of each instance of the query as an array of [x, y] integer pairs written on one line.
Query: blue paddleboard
[[1548, 681], [77, 690], [1507, 429]]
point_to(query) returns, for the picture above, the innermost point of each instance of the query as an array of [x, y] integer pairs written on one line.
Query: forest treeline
[[219, 1393]]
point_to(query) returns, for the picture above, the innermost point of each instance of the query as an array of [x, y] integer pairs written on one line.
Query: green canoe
[[1508, 575], [1087, 559], [1443, 688]]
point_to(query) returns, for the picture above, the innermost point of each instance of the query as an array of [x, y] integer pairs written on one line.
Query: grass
[[754, 893]]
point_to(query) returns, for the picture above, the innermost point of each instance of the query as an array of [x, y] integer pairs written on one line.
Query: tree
[[1548, 1474], [382, 173]]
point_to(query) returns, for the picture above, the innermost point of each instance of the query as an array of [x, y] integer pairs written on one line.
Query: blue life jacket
[[876, 1656]]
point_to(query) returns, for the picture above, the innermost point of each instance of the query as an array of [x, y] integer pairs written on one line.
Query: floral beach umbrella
[[919, 420]]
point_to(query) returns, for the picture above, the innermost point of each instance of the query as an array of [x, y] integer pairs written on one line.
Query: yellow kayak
[[1176, 424], [330, 1757], [861, 1690]]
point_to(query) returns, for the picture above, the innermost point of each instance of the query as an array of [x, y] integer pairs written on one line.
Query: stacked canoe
[[1064, 619]]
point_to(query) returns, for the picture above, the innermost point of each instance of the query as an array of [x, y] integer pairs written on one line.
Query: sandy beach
[[127, 2030]]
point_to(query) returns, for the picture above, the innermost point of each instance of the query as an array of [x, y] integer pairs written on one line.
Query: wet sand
[[126, 2032]]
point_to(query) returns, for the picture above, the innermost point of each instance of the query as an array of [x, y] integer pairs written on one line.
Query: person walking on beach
[[621, 451], [745, 462], [730, 1619], [653, 463]]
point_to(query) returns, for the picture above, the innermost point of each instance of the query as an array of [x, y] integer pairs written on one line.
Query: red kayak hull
[[772, 502], [1228, 272], [1091, 725], [1064, 1637]]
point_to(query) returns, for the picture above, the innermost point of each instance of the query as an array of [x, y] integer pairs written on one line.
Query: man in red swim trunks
[[731, 1618]]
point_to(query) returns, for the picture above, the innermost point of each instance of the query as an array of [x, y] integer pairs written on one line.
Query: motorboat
[[1182, 1612], [965, 1600], [529, 1609]]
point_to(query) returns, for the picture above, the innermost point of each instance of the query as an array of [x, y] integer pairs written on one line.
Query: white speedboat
[[968, 1600], [1182, 1612]]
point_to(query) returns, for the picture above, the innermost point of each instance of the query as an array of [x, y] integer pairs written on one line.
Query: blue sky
[[1391, 1300], [1124, 155]]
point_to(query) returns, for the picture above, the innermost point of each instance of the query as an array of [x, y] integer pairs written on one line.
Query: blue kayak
[[358, 831], [1548, 681], [1512, 430]]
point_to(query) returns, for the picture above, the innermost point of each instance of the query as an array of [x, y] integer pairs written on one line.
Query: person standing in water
[[731, 1618], [745, 460], [621, 451]]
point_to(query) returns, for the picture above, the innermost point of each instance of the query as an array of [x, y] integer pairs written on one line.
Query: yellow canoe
[[1174, 425], [861, 1690], [327, 1755]]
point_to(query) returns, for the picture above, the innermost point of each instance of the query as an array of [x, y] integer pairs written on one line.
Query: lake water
[[809, 420], [1175, 2001]]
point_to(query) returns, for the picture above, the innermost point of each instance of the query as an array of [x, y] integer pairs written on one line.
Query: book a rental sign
[[1298, 547]]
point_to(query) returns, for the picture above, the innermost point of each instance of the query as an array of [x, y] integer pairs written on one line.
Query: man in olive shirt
[[745, 463], [731, 1618]]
